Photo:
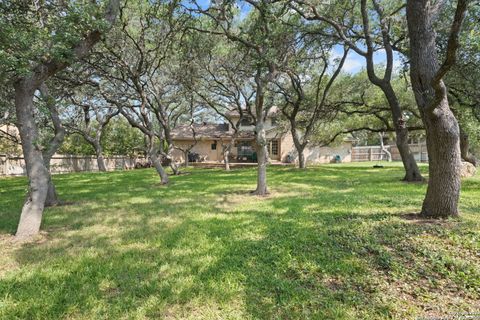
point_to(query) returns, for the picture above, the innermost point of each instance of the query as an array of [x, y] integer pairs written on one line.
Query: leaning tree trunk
[[38, 176], [174, 166], [443, 136], [464, 148], [412, 172], [54, 144], [262, 155], [157, 164]]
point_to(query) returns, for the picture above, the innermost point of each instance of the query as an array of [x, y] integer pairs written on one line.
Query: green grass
[[331, 242]]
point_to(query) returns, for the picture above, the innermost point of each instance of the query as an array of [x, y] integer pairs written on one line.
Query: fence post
[[370, 154]]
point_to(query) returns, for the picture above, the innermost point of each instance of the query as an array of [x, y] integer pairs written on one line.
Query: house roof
[[203, 130], [207, 131]]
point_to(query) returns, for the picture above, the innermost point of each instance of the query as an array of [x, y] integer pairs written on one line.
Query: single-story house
[[211, 137]]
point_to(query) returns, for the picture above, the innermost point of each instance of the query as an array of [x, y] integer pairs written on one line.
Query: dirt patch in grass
[[417, 218]]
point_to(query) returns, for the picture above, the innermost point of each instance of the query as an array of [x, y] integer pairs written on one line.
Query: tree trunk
[[226, 157], [412, 172], [101, 162], [100, 159], [443, 145], [464, 148], [186, 159], [384, 150], [299, 146], [38, 176], [52, 196], [443, 141], [54, 144], [262, 155], [174, 167], [158, 166], [301, 160]]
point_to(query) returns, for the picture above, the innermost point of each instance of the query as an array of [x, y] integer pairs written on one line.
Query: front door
[[274, 149]]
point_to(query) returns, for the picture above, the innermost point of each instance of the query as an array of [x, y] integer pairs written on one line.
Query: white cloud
[[353, 63]]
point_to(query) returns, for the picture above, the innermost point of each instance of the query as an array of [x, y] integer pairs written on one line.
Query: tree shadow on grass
[[266, 268], [178, 253]]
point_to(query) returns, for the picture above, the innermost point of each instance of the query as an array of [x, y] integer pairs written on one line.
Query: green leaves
[[32, 34]]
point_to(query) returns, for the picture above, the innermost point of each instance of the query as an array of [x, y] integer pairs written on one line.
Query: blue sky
[[356, 63]]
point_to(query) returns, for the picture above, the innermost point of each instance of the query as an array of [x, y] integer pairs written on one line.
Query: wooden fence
[[15, 165], [375, 153]]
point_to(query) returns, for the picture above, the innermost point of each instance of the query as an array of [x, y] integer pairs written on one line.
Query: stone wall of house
[[202, 147], [15, 165]]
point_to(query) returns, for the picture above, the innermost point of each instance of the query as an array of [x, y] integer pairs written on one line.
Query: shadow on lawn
[[134, 250]]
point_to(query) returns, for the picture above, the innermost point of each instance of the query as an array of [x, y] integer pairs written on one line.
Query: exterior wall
[[203, 148], [15, 166], [313, 154]]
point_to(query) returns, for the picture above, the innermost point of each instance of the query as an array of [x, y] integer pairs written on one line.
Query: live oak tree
[[36, 43], [89, 116], [359, 108], [442, 131], [224, 85], [369, 27], [305, 88], [119, 138], [51, 130], [261, 38], [137, 68]]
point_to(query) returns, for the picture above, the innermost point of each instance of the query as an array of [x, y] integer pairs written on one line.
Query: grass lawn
[[331, 242]]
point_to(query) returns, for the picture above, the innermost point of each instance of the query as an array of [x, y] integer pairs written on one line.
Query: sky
[[355, 63]]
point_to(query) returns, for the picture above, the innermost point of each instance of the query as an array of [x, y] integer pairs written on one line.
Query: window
[[214, 146], [274, 147], [246, 121]]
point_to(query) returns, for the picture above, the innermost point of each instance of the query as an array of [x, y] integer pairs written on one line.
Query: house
[[211, 137], [9, 139]]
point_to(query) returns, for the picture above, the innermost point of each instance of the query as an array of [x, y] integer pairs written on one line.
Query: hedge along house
[[210, 138]]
